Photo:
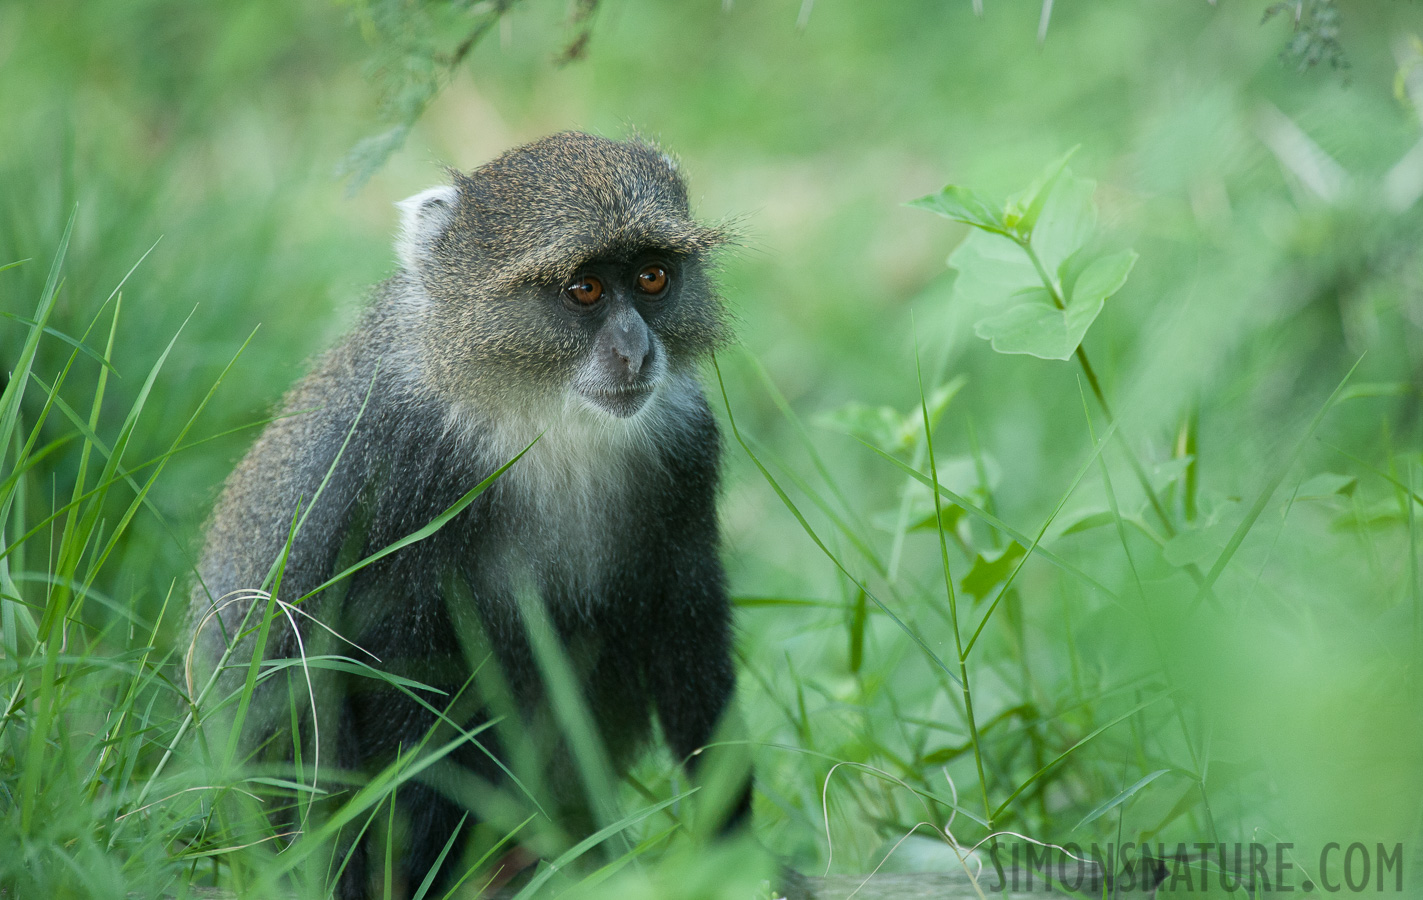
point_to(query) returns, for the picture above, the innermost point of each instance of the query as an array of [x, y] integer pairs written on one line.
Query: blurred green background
[[1274, 208]]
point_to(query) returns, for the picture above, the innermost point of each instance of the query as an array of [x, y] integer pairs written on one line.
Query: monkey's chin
[[621, 404]]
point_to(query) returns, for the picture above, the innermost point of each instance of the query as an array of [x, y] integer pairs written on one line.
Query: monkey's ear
[[423, 218]]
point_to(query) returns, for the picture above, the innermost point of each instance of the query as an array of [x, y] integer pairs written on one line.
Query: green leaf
[[944, 755], [1023, 208], [988, 573], [805, 602], [1038, 328], [991, 268], [1067, 221], [949, 518], [964, 205], [1102, 277]]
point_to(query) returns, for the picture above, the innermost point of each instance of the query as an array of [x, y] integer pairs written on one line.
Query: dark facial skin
[[619, 303]]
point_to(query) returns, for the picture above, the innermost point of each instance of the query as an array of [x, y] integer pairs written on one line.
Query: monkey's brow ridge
[[561, 257]]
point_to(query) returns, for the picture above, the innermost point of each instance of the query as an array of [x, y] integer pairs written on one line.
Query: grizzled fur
[[464, 357]]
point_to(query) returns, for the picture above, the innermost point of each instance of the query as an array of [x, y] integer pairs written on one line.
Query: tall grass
[[86, 704], [1101, 729], [124, 775], [1165, 590]]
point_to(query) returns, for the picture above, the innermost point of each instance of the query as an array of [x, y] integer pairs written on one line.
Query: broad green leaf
[[988, 573], [1102, 277], [949, 519], [1038, 328], [944, 755], [963, 205], [1067, 221], [991, 268], [1023, 208]]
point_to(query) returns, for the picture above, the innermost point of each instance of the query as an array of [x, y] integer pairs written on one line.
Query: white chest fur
[[575, 491]]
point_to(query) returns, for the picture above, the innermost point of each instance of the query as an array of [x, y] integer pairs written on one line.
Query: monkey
[[557, 302]]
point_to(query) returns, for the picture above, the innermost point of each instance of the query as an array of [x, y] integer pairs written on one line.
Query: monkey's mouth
[[621, 402]]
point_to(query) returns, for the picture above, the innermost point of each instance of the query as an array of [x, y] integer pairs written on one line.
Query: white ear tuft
[[423, 218]]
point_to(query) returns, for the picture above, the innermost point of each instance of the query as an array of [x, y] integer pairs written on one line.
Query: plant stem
[[1137, 468], [954, 618]]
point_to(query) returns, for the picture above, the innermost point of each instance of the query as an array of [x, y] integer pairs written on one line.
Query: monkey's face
[[568, 269], [610, 302], [609, 337]]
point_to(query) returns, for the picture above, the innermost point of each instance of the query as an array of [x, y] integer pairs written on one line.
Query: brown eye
[[652, 280], [585, 290]]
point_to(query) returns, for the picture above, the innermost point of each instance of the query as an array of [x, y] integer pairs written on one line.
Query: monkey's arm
[[691, 673], [692, 677]]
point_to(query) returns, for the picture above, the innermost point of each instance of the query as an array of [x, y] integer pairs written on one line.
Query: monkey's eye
[[585, 290], [652, 280]]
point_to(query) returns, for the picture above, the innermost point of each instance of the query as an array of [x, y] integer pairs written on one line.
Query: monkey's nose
[[630, 347], [631, 360]]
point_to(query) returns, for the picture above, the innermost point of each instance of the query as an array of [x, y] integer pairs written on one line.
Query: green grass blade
[[800, 517], [1122, 797], [20, 374], [435, 525], [993, 521], [1267, 491], [439, 861], [330, 470], [1037, 540], [64, 338], [593, 840], [371, 794], [998, 813]]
